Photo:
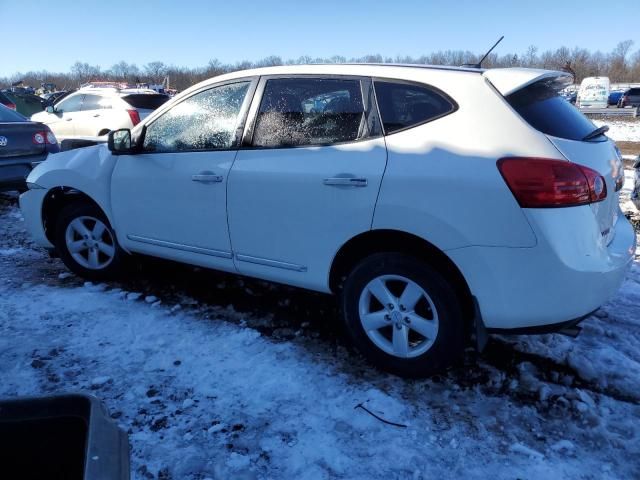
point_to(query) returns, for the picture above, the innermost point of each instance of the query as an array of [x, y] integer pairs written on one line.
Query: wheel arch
[[383, 240], [58, 198]]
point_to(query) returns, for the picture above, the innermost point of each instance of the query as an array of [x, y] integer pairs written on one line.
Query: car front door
[[307, 177], [63, 120], [170, 199]]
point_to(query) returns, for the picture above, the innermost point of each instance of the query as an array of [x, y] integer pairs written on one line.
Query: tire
[[97, 256], [437, 314]]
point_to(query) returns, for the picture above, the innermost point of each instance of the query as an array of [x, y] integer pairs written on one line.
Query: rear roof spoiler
[[510, 80]]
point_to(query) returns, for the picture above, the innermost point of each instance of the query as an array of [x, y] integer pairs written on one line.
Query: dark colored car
[[4, 100], [53, 97], [570, 97], [26, 104], [630, 98], [614, 98], [23, 145]]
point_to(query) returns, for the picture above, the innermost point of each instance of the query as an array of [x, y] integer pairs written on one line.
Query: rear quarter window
[[404, 105], [542, 108]]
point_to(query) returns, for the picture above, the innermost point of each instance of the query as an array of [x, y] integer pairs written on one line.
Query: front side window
[[309, 111], [70, 104], [204, 121], [404, 105]]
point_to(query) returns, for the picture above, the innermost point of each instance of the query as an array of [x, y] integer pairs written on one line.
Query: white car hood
[[64, 169], [509, 80]]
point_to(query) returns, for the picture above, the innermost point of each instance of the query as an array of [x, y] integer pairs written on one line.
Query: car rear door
[[170, 200], [91, 118], [307, 177]]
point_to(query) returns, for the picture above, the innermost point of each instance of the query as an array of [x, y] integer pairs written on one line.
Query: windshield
[[541, 106], [8, 115]]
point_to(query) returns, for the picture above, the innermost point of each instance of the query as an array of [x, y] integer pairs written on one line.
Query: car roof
[[510, 78]]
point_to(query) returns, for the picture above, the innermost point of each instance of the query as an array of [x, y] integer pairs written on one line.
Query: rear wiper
[[596, 133]]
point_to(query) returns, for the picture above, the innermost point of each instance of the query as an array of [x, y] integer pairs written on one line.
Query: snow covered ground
[[621, 130], [225, 378]]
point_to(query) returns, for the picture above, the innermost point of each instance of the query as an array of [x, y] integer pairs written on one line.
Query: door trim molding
[[270, 263], [181, 246]]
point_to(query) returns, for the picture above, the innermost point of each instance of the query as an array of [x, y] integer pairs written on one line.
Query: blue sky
[[190, 33]]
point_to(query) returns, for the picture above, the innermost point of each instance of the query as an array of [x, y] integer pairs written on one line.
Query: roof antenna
[[479, 64]]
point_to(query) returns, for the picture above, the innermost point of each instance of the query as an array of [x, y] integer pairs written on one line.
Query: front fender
[[87, 170]]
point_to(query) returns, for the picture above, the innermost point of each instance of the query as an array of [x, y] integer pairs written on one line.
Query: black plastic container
[[61, 437]]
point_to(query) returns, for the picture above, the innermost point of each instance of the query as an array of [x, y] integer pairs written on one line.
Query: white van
[[594, 92]]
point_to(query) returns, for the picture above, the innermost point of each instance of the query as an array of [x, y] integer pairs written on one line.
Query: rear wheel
[[86, 242], [403, 315]]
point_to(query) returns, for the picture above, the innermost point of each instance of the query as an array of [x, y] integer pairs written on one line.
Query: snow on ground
[[621, 130], [211, 390]]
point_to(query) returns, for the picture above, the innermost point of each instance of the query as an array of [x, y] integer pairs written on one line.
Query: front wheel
[[87, 244], [403, 315]]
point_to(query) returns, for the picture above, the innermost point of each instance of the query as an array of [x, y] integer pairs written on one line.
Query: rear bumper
[[567, 275], [14, 172], [31, 206]]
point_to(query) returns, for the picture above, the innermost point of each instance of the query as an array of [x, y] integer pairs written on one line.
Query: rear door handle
[[206, 177], [346, 181], [97, 115]]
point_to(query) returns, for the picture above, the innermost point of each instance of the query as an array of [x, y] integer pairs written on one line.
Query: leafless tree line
[[620, 65]]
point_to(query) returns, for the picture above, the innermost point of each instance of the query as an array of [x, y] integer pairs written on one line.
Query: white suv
[[97, 111], [438, 203]]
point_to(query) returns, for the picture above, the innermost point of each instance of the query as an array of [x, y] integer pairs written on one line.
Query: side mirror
[[49, 109], [120, 141]]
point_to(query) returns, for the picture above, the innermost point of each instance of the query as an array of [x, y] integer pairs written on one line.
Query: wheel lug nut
[[387, 317], [407, 319], [398, 326], [390, 306], [402, 308]]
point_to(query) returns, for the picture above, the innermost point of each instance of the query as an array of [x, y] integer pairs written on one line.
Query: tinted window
[[403, 105], [95, 102], [8, 115], [634, 91], [541, 106], [205, 121], [145, 100], [4, 100], [309, 111], [69, 104]]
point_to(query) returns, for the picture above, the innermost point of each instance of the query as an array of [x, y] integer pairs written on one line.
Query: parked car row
[[389, 186]]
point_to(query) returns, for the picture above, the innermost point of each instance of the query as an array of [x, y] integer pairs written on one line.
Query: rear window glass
[[8, 115], [541, 106], [146, 101], [404, 105], [634, 91]]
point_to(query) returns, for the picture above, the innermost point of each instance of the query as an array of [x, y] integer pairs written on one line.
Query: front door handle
[[68, 119], [207, 177], [346, 181], [96, 115]]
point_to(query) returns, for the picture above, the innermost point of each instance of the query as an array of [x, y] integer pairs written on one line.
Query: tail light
[[12, 106], [40, 138], [133, 115], [546, 183]]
